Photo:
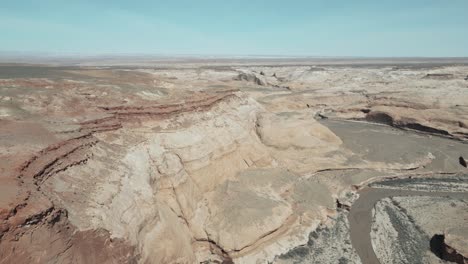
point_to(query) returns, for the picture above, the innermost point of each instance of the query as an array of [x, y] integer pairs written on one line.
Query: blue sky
[[237, 27]]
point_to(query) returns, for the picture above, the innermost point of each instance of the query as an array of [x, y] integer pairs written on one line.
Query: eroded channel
[[390, 145], [361, 218]]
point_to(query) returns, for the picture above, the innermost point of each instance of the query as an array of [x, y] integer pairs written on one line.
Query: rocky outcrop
[[380, 117], [50, 238], [392, 119], [193, 181], [449, 250], [403, 229], [462, 161], [455, 246], [43, 174], [251, 77]]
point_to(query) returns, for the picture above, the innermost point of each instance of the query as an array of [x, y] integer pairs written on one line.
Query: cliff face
[[180, 182], [178, 186], [148, 182]]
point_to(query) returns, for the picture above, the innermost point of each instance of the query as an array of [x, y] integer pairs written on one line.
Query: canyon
[[234, 161]]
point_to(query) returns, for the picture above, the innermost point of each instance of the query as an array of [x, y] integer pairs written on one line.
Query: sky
[[369, 28]]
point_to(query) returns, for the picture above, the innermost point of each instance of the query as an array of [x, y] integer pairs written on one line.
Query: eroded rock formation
[[207, 164]]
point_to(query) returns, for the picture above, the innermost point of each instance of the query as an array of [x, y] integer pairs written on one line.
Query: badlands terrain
[[234, 161]]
